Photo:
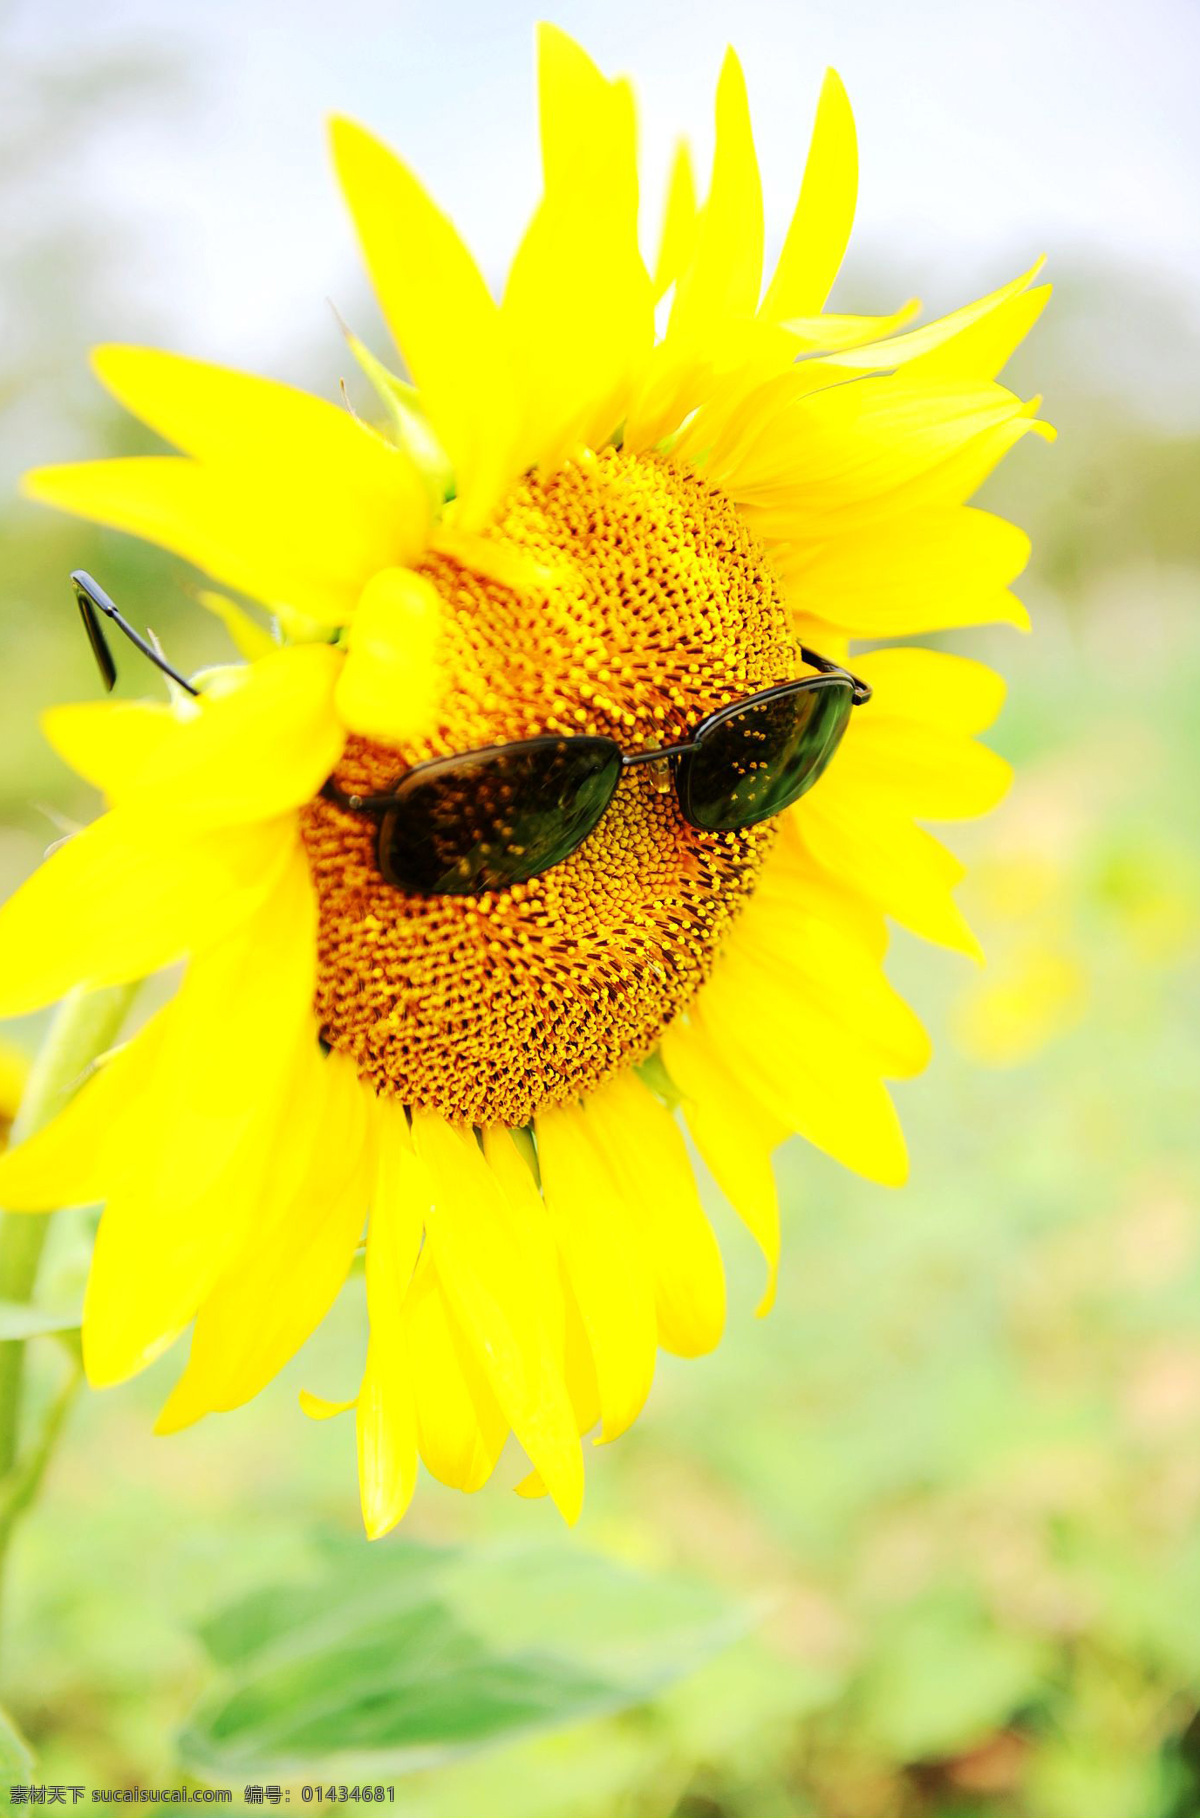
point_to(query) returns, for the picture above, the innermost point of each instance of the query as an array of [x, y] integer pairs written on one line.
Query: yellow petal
[[837, 980], [982, 348], [714, 338], [678, 239], [280, 1285], [919, 571], [438, 308], [492, 559], [578, 308], [254, 752], [391, 682], [606, 1263], [576, 104], [836, 450], [830, 334], [247, 754], [249, 638], [890, 862], [111, 743], [725, 273], [948, 348], [319, 1407], [460, 1427], [916, 770], [849, 1043], [525, 1210], [266, 432], [126, 897], [386, 1433], [952, 692], [219, 1124], [490, 1281], [387, 1411], [970, 343], [953, 479], [807, 893], [753, 374], [678, 377], [642, 1137], [837, 1105], [909, 752], [72, 1160], [820, 228], [734, 1135], [582, 1384], [276, 542]]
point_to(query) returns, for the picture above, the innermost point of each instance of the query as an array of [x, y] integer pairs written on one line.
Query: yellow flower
[[569, 523]]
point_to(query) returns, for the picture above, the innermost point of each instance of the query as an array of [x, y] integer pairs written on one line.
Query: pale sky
[[989, 132]]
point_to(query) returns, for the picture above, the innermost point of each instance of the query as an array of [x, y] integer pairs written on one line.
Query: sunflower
[[605, 507]]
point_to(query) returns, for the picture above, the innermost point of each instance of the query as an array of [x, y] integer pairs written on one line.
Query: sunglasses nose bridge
[[660, 774]]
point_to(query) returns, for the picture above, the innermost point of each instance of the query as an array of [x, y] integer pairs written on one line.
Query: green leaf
[[407, 423], [399, 1657], [16, 1756], [20, 1321], [946, 1678]]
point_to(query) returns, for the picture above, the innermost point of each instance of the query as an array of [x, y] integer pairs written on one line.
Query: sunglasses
[[92, 601], [483, 820], [487, 819]]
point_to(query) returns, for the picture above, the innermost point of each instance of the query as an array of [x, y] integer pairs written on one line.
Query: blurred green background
[[949, 1493]]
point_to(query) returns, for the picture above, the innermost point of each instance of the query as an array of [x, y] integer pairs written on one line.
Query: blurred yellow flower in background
[[570, 523], [1065, 904], [1035, 986], [1037, 992]]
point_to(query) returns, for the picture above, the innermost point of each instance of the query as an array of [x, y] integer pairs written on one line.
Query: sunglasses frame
[[95, 605], [830, 674], [92, 601]]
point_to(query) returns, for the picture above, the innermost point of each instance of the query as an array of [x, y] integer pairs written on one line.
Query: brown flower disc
[[633, 602]]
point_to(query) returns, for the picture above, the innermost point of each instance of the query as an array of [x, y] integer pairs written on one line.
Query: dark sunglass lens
[[495, 818], [759, 760], [97, 639]]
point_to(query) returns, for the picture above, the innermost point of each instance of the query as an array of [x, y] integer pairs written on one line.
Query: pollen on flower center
[[644, 604]]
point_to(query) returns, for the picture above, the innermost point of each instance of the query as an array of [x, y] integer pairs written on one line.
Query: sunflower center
[[633, 602]]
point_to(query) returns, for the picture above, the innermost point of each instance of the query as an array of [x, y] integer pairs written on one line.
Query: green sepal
[[653, 1073], [524, 1138], [406, 422]]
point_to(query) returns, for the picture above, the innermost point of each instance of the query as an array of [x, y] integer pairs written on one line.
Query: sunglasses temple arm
[[826, 665], [355, 804], [87, 589]]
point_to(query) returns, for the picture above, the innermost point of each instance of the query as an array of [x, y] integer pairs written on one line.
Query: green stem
[[86, 1024], [19, 1489]]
